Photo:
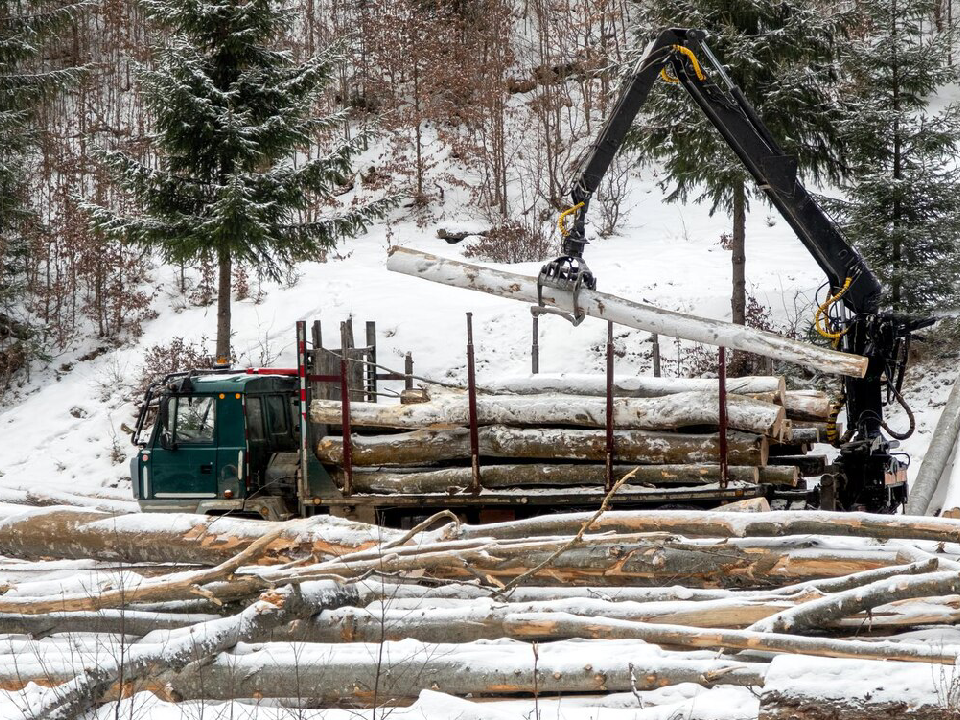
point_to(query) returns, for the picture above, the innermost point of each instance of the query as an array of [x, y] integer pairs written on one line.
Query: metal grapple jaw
[[567, 274]]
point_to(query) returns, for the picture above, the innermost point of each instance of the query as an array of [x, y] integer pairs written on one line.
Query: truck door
[[184, 458]]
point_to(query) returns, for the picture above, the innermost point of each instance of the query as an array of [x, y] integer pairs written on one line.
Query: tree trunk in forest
[[225, 276], [738, 261], [738, 299]]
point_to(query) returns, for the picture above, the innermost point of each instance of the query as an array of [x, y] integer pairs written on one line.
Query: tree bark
[[834, 689], [545, 475], [194, 644], [322, 674], [625, 312], [738, 257], [816, 613], [799, 404], [730, 525], [557, 626], [770, 388], [671, 412], [172, 537], [422, 447], [224, 292]]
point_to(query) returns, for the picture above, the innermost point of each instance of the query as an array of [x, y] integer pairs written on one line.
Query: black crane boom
[[869, 476]]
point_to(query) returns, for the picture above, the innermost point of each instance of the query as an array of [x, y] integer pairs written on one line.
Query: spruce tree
[[25, 26], [782, 54], [232, 113], [902, 204]]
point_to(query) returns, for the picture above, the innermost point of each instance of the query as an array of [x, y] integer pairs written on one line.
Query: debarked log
[[670, 412], [625, 312], [646, 447], [452, 479]]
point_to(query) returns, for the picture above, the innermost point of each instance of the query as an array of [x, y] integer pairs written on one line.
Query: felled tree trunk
[[817, 613], [322, 674], [206, 639], [171, 538], [453, 479], [639, 387], [625, 312], [717, 524], [810, 405], [799, 688], [670, 412], [423, 447], [938, 454]]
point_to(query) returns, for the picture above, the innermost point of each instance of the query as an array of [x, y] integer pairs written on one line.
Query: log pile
[[799, 613], [546, 434]]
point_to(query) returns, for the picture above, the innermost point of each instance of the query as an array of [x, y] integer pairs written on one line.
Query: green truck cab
[[224, 442]]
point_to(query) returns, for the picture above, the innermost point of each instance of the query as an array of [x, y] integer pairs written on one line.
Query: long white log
[[641, 387], [934, 462], [625, 312], [670, 412]]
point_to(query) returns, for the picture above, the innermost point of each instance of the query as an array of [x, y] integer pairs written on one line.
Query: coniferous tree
[[782, 54], [902, 205], [232, 113]]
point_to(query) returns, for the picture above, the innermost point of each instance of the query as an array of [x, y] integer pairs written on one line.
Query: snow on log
[[803, 688], [670, 412], [179, 648], [332, 673], [625, 312], [543, 475], [809, 405], [813, 615], [71, 533], [938, 454], [534, 626], [646, 447], [719, 524], [640, 387], [640, 560]]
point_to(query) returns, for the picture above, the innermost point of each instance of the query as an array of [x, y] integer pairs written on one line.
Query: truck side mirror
[[166, 440]]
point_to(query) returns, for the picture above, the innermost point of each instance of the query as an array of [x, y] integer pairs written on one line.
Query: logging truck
[[246, 442], [278, 443]]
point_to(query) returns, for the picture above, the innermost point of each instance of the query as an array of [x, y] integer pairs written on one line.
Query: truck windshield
[[195, 416]]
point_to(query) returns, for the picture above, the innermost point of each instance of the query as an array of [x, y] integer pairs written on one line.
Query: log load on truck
[[249, 442]]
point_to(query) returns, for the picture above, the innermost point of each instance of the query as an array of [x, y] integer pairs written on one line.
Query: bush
[[176, 356], [511, 242]]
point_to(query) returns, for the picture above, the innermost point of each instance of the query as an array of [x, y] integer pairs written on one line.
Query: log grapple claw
[[566, 274]]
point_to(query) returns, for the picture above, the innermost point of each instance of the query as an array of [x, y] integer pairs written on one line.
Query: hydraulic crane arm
[[682, 56], [685, 54]]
